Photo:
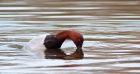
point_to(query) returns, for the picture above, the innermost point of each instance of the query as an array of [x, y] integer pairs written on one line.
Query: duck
[[48, 46]]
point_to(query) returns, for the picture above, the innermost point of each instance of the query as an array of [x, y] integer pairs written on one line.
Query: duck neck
[[79, 51], [61, 37]]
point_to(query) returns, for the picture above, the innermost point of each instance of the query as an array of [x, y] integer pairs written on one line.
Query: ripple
[[76, 16], [110, 29], [128, 65], [108, 36], [3, 16], [17, 8], [134, 71]]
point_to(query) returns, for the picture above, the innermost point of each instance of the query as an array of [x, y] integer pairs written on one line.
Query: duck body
[[49, 46]]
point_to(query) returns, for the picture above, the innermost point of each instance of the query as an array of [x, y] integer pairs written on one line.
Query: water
[[111, 29]]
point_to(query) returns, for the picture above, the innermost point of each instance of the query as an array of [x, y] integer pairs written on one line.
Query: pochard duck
[[49, 45]]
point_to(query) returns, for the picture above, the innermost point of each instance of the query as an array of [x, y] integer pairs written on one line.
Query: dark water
[[111, 29]]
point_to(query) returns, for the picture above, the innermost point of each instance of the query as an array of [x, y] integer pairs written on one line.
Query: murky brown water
[[111, 29]]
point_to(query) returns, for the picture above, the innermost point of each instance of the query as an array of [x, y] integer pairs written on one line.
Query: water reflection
[[110, 28]]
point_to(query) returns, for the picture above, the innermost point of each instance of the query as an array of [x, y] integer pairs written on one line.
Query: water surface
[[111, 29]]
